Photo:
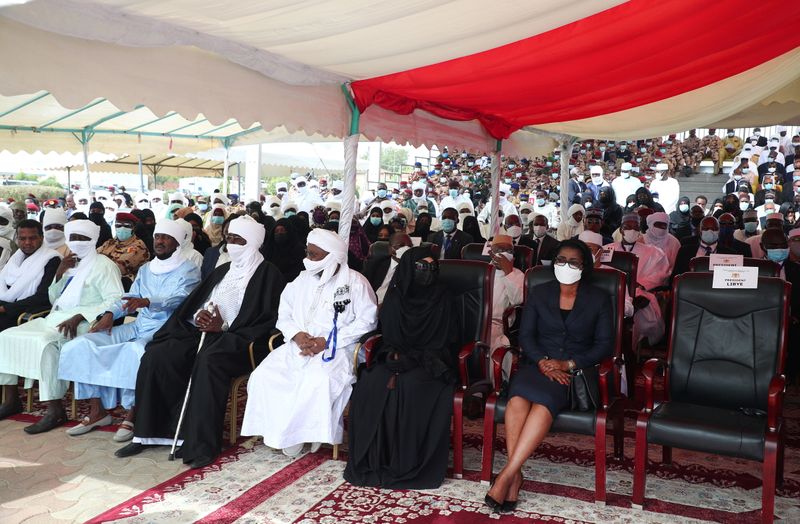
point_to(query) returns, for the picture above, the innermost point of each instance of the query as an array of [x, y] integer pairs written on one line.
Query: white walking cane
[[210, 308]]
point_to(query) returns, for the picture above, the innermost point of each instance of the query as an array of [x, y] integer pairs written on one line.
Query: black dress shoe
[[133, 448], [508, 506], [48, 422], [10, 408], [202, 461]]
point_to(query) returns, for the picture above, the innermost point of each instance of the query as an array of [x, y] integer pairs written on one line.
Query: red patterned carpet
[[251, 483]]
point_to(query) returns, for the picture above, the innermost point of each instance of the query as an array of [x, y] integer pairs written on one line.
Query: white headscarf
[[652, 239], [71, 293], [7, 231], [569, 228], [228, 295], [54, 239], [337, 253], [178, 232], [274, 212], [21, 275]]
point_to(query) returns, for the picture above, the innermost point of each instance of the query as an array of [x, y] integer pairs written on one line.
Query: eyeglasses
[[421, 265], [574, 264]]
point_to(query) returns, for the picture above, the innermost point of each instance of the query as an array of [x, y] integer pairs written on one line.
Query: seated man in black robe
[[399, 424], [243, 295]]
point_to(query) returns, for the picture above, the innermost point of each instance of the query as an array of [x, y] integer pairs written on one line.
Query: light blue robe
[[104, 365]]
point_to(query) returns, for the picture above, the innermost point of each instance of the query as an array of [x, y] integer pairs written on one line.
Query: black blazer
[[689, 249], [587, 336], [457, 242], [549, 245], [375, 270]]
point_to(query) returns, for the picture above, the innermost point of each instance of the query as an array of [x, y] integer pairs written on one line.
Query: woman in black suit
[[566, 324]]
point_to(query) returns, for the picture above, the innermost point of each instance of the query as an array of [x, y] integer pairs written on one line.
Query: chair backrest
[[523, 255], [766, 268], [628, 263], [380, 249], [471, 283], [612, 281], [726, 344]]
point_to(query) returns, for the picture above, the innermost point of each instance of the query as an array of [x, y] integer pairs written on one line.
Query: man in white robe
[[103, 363], [86, 284], [298, 394], [658, 235], [54, 238]]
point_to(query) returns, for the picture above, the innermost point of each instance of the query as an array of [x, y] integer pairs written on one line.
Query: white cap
[[590, 237], [505, 188], [626, 166], [662, 167], [596, 170], [281, 185], [338, 185]]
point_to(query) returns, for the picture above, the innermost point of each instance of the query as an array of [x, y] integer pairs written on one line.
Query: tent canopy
[[457, 75]]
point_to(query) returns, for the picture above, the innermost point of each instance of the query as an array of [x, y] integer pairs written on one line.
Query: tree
[[49, 181], [393, 158]]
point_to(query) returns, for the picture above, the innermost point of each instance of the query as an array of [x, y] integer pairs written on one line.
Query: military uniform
[[129, 255], [726, 153], [709, 148]]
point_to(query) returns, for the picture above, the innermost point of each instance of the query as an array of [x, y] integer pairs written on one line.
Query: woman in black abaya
[[401, 406]]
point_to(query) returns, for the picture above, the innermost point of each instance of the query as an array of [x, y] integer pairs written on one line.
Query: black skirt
[[530, 384]]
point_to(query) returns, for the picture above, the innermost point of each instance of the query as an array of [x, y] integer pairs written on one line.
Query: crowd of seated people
[[124, 289]]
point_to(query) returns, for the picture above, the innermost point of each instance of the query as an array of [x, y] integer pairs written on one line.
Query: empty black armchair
[[724, 381]]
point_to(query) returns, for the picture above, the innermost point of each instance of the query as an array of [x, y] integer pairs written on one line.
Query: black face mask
[[424, 277], [605, 198], [281, 238]]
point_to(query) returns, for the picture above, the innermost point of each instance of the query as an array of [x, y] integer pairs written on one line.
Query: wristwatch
[[571, 364]]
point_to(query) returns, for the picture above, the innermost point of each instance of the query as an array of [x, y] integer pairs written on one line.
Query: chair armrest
[[275, 339], [507, 315], [498, 355], [250, 349], [463, 355], [607, 366], [369, 345], [649, 370], [26, 317], [777, 389]]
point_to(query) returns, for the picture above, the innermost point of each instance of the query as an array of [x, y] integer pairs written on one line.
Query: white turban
[[418, 185], [173, 229], [156, 193], [657, 217], [626, 166], [333, 205], [82, 195], [102, 194], [177, 196], [271, 199], [219, 196], [338, 185], [662, 167], [249, 229], [505, 188], [186, 227], [288, 204], [337, 254], [596, 170], [86, 228], [281, 185], [246, 259], [574, 208], [590, 237], [54, 216], [525, 205]]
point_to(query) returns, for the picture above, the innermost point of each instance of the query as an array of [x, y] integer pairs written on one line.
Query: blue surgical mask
[[548, 164], [218, 220], [555, 175], [124, 233], [375, 221], [381, 193], [540, 202], [751, 227], [288, 214], [448, 225], [777, 255], [454, 193], [769, 186], [709, 236], [203, 207]]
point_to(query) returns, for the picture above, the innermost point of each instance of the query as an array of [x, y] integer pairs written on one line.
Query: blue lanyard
[[331, 335]]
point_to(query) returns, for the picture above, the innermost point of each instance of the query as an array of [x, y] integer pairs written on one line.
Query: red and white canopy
[[462, 72]]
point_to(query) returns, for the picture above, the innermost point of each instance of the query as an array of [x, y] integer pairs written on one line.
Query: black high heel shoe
[[490, 502], [509, 506]]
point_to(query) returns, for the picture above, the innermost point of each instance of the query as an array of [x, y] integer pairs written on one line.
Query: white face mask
[[657, 233], [626, 174], [630, 236], [236, 251], [539, 231], [526, 217], [565, 274], [514, 231], [81, 248], [315, 265], [54, 237], [399, 253], [6, 230]]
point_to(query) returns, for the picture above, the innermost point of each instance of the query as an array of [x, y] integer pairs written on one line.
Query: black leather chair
[[380, 249], [766, 268], [523, 255], [593, 423], [471, 283], [724, 382], [628, 263]]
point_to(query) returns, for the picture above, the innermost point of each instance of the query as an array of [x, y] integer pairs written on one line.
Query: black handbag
[[584, 389]]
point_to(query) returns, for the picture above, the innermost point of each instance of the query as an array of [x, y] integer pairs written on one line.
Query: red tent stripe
[[633, 54]]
